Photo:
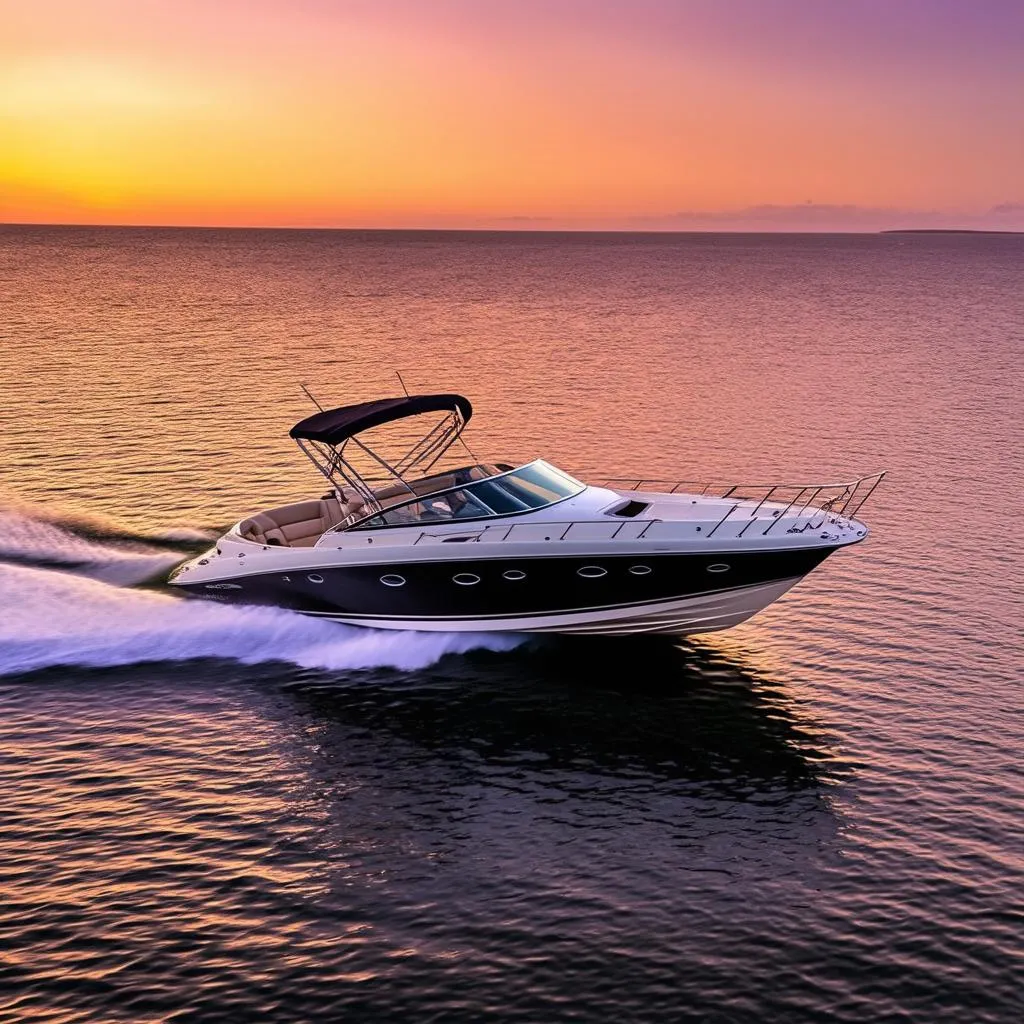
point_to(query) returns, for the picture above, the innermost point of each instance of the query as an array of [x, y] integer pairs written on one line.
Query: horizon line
[[803, 230]]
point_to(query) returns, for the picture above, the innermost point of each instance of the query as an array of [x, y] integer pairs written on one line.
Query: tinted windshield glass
[[539, 484], [529, 487]]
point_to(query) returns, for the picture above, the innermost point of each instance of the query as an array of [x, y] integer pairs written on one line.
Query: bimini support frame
[[325, 437]]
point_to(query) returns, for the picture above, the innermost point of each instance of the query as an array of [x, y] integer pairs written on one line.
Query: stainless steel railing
[[761, 506], [839, 500], [551, 530]]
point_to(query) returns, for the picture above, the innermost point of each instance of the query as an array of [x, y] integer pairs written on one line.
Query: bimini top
[[336, 425]]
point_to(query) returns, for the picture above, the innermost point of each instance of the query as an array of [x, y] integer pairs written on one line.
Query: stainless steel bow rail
[[817, 505], [840, 501]]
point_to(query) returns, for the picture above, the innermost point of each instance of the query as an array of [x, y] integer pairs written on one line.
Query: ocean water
[[212, 814]]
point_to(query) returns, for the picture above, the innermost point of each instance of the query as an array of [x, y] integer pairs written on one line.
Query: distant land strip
[[948, 231]]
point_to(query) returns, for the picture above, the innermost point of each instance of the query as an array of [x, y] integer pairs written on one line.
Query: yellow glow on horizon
[[83, 132]]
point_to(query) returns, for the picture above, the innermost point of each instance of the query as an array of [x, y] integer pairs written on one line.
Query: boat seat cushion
[[300, 524], [261, 528]]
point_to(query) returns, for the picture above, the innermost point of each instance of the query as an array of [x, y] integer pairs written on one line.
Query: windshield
[[522, 490]]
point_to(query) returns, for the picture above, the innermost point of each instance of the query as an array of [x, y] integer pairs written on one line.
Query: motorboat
[[399, 542]]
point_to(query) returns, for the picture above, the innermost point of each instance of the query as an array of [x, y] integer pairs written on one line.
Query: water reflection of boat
[[692, 715], [490, 546]]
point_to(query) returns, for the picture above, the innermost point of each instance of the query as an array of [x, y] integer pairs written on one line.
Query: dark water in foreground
[[212, 814]]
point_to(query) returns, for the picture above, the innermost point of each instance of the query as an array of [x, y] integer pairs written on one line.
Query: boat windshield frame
[[576, 487]]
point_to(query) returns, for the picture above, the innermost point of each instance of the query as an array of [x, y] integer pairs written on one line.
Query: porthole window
[[591, 572], [718, 567], [640, 570], [465, 579], [393, 580], [314, 578], [514, 574]]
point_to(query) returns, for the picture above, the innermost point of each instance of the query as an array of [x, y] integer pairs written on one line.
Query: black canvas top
[[335, 425]]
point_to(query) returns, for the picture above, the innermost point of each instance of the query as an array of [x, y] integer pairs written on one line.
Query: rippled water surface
[[212, 814]]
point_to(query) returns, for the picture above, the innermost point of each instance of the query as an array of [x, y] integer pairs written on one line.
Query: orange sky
[[539, 113]]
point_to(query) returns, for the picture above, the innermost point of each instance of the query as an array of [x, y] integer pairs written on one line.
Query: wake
[[66, 598], [94, 547]]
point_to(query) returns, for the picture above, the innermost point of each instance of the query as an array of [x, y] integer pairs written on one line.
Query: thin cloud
[[815, 216], [812, 216]]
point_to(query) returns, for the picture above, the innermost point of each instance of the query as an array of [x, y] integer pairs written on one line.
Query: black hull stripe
[[547, 614]]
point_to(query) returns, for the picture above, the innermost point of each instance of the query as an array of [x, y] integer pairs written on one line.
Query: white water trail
[[64, 600], [29, 540], [55, 618], [100, 527]]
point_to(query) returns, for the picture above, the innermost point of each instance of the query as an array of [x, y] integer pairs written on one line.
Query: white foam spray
[[52, 618], [64, 601], [28, 539]]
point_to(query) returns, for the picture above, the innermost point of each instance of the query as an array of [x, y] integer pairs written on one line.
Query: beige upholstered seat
[[300, 525]]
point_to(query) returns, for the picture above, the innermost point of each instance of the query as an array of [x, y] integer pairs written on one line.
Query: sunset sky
[[706, 114]]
